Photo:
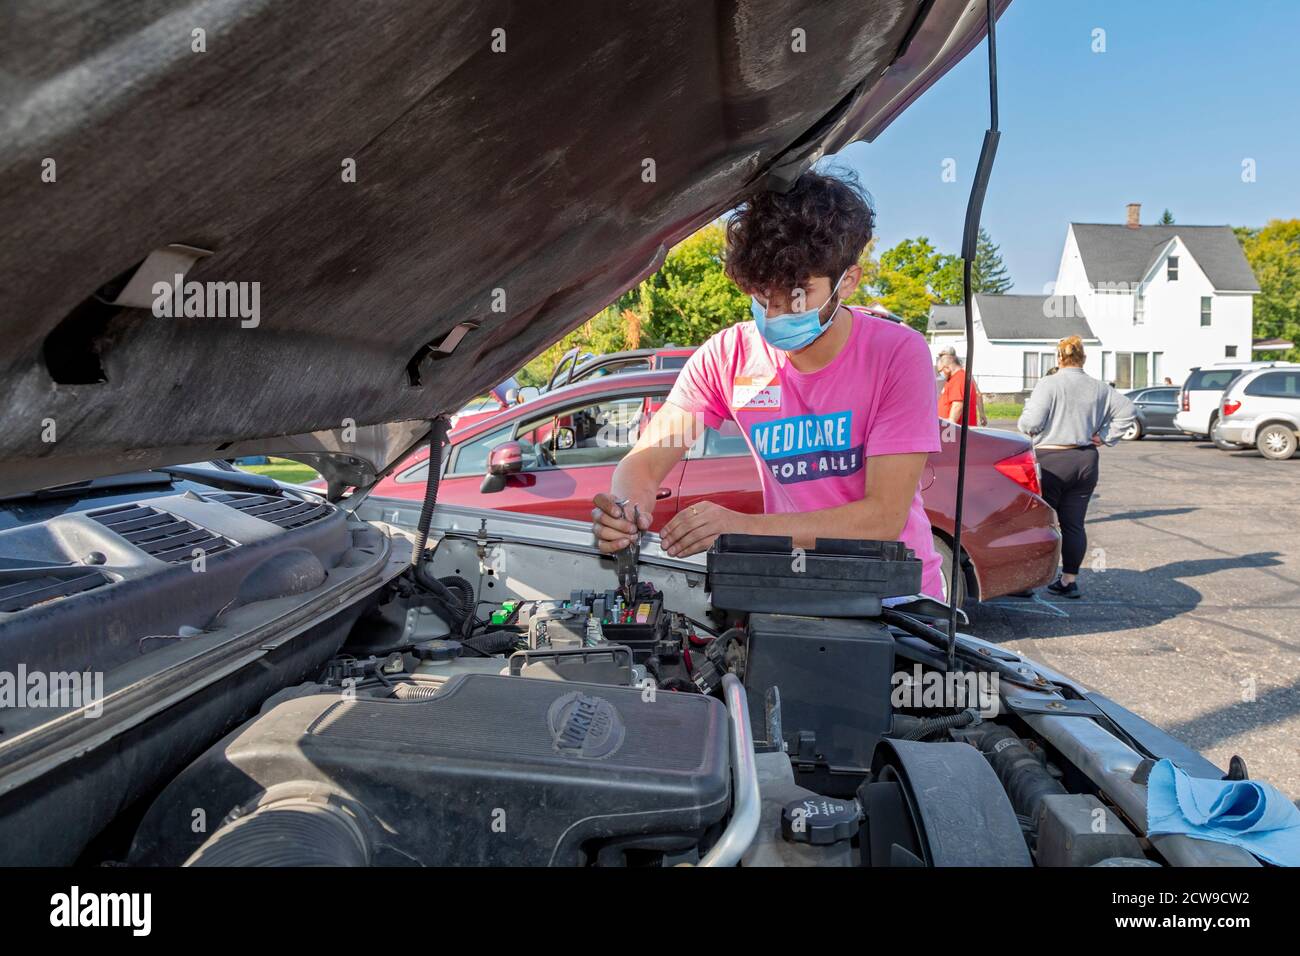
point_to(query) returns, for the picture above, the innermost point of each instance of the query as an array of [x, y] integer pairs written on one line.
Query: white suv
[[1262, 408], [1202, 393]]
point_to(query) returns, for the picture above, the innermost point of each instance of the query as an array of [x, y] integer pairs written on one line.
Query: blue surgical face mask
[[797, 330]]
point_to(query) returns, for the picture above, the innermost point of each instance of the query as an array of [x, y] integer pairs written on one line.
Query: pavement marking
[[1024, 605]]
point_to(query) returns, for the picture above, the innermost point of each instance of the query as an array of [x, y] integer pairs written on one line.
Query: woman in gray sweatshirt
[[1066, 417]]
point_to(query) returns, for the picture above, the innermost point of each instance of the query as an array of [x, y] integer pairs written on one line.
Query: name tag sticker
[[747, 392]]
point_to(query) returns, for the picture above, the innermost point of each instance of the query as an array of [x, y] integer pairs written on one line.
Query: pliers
[[627, 561]]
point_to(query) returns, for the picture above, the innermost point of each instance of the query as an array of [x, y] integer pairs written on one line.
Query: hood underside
[[387, 207]]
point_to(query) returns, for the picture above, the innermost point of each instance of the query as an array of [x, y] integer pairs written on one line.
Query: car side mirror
[[565, 437], [505, 459], [527, 394]]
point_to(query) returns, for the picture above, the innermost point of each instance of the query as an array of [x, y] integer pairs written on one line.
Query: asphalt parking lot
[[1191, 601]]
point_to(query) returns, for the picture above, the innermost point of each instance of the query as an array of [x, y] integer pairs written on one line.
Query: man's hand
[[694, 529], [640, 475], [613, 531]]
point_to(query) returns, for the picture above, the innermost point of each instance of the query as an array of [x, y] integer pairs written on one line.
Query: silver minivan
[[1201, 397], [1261, 407]]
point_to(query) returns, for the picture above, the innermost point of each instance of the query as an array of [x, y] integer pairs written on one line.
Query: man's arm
[[954, 412], [891, 482], [638, 476]]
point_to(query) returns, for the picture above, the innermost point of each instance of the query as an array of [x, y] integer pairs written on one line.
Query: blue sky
[[1184, 92]]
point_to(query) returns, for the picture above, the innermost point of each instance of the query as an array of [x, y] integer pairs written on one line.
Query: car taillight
[[1229, 406], [1023, 470], [1186, 403]]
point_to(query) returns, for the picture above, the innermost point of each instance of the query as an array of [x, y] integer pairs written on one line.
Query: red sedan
[[553, 454]]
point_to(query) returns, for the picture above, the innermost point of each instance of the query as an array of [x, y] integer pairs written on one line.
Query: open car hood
[[412, 199]]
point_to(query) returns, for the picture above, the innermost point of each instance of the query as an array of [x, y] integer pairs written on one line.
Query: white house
[[1015, 337], [1150, 302]]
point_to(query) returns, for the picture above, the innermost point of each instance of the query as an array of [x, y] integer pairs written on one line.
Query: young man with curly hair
[[836, 405]]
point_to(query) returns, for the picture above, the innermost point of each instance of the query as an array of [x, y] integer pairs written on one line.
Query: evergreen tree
[[989, 274]]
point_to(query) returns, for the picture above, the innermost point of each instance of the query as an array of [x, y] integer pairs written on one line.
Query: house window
[[1131, 369], [1139, 308], [1205, 310], [1230, 351], [1157, 368], [1171, 269], [1031, 370], [1107, 366], [1123, 370]]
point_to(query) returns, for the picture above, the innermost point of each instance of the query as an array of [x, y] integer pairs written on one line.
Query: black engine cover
[[492, 771]]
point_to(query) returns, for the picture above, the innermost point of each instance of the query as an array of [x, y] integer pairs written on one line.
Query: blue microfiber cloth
[[1247, 813]]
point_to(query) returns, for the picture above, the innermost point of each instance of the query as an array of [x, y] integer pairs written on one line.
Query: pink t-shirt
[[811, 432]]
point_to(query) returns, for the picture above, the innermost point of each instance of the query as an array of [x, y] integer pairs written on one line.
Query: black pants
[[1069, 479]]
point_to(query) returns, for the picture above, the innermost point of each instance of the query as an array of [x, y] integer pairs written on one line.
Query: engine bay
[[307, 695], [531, 728]]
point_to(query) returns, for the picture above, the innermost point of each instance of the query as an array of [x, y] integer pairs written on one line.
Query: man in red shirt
[[951, 405]]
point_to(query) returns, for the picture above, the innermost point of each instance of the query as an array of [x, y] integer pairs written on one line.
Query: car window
[[470, 456], [725, 441], [612, 368], [480, 404], [1210, 379], [672, 361], [418, 473], [1276, 385], [596, 433], [1165, 396]]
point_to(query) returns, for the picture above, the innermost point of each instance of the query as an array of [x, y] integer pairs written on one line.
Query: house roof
[[1032, 317], [1047, 317], [1113, 252], [947, 318], [1269, 345]]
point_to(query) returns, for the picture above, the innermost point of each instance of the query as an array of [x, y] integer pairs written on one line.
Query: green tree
[[904, 295], [1274, 254], [690, 297], [990, 273], [914, 274], [683, 303], [1166, 218], [900, 281], [918, 259], [605, 332]]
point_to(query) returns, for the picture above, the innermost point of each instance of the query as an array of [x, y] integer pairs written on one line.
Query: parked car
[[576, 367], [1202, 393], [567, 443], [501, 397], [1262, 408], [1155, 409]]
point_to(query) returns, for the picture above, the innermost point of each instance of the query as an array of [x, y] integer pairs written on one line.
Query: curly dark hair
[[778, 241]]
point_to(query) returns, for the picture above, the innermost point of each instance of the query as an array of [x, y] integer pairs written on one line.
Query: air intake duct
[[286, 833]]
